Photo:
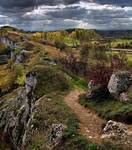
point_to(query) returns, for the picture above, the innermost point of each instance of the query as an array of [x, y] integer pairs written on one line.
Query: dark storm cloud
[[57, 14], [115, 2], [33, 3]]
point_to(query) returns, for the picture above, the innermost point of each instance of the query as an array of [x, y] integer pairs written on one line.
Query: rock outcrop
[[119, 84], [17, 114], [8, 42], [117, 133], [20, 58]]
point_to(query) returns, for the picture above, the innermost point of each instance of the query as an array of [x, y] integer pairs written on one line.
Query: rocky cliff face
[[8, 42], [16, 116]]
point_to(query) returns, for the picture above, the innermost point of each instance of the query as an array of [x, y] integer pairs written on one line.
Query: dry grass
[[6, 76]]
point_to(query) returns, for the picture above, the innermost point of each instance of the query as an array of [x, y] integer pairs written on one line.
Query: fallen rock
[[117, 133]]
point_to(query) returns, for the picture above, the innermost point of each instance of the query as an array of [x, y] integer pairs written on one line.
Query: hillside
[[56, 91]]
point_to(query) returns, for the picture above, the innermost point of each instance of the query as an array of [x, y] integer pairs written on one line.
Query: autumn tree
[[86, 36], [74, 38]]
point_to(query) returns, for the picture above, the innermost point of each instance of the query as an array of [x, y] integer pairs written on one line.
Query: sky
[[47, 15]]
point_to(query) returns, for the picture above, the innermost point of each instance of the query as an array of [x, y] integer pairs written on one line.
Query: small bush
[[50, 79], [59, 44], [19, 74]]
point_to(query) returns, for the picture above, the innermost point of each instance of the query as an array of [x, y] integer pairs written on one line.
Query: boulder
[[119, 84], [56, 135], [117, 133]]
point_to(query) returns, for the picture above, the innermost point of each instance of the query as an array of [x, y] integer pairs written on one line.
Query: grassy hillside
[[62, 61]]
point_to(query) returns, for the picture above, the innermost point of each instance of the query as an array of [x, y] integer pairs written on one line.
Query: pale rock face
[[117, 133], [112, 86], [21, 57], [30, 82], [119, 84]]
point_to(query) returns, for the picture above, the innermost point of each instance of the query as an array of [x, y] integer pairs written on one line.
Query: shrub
[[50, 79], [20, 80], [19, 74], [59, 44]]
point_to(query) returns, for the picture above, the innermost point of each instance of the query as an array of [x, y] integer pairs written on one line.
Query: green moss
[[79, 82]]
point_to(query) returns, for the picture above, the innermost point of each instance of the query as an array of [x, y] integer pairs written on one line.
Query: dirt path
[[90, 123], [50, 49]]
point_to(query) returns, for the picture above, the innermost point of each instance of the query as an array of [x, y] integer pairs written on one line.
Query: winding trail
[[90, 122]]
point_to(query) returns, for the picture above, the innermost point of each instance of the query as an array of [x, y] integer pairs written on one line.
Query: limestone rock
[[20, 58], [30, 82], [56, 135], [119, 84], [117, 133]]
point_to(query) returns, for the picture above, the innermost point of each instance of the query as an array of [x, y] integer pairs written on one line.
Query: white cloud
[[3, 16]]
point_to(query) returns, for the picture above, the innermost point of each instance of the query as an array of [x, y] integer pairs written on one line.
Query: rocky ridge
[[16, 117]]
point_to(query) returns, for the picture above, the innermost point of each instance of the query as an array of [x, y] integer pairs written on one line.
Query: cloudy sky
[[48, 15]]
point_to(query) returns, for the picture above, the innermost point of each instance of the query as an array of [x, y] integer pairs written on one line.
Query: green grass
[[69, 41], [121, 41], [109, 109], [78, 82], [129, 60]]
